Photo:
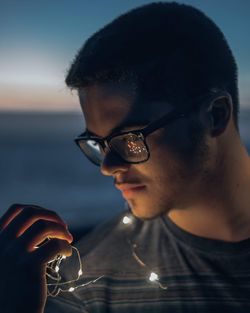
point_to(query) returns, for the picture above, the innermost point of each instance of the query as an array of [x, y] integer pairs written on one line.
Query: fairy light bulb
[[153, 277], [80, 272], [127, 220], [57, 285]]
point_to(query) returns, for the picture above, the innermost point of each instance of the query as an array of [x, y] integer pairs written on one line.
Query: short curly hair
[[170, 51]]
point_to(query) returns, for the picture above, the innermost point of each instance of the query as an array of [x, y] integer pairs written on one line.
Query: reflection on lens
[[94, 145], [130, 147], [92, 150]]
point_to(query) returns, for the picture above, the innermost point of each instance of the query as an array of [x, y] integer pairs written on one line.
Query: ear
[[220, 110]]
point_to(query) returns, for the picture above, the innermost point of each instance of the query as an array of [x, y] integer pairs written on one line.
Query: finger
[[28, 216], [10, 214], [40, 230], [50, 250]]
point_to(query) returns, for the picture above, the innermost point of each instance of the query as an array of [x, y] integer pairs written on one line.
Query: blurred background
[[39, 117]]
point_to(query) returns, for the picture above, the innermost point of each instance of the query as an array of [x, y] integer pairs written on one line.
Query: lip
[[130, 190]]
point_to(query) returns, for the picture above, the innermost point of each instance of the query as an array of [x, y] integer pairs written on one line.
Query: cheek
[[173, 159], [165, 149], [164, 167], [183, 142]]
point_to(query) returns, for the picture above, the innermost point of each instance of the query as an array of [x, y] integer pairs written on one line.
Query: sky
[[39, 39]]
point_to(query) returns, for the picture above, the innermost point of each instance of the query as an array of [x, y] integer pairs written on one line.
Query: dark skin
[[204, 188]]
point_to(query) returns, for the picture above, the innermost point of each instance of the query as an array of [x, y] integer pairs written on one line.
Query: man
[[158, 89]]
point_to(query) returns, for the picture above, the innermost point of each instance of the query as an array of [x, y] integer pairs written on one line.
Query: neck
[[222, 210]]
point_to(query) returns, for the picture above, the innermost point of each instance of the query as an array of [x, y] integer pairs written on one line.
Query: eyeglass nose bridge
[[107, 148], [104, 145]]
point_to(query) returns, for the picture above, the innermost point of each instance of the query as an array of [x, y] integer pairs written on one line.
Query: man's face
[[178, 163]]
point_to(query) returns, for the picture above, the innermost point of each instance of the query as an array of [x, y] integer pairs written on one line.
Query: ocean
[[40, 164]]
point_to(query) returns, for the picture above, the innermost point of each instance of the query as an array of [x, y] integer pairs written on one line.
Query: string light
[[53, 269], [126, 220], [53, 274], [153, 277]]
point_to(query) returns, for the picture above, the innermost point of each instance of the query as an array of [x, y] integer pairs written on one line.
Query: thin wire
[[153, 277], [53, 269], [53, 273]]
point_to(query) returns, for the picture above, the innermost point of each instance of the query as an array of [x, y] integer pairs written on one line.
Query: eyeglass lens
[[92, 150], [130, 147]]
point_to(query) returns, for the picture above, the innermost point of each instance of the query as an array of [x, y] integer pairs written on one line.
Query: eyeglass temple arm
[[161, 122]]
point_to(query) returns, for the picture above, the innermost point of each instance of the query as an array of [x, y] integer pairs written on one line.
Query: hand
[[23, 264]]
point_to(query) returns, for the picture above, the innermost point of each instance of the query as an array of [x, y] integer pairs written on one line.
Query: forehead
[[110, 107]]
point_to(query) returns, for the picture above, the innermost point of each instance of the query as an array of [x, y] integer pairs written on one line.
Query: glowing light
[[153, 277], [80, 272], [126, 220], [57, 286], [52, 272]]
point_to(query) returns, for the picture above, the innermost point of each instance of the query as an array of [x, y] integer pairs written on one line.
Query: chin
[[143, 213], [147, 210]]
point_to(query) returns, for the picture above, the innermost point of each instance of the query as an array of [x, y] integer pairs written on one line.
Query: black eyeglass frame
[[143, 132]]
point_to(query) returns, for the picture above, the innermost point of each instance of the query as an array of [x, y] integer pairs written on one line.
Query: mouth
[[130, 190]]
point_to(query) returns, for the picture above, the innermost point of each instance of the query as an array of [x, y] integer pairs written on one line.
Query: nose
[[113, 164]]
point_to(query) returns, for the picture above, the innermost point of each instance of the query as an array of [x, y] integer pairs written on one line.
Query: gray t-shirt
[[188, 273]]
